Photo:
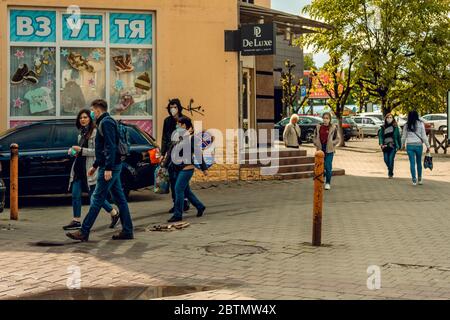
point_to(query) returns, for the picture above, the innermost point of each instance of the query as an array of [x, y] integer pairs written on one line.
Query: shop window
[[33, 81], [131, 82], [83, 78]]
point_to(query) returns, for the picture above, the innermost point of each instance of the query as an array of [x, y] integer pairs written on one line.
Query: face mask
[[389, 121], [173, 111], [93, 115]]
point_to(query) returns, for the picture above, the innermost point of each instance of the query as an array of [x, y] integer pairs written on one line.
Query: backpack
[[124, 145]]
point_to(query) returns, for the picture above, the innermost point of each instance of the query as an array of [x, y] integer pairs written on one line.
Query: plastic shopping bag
[[428, 162], [161, 181]]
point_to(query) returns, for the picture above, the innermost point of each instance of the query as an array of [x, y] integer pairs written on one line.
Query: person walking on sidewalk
[[175, 110], [79, 181], [292, 135], [326, 138], [108, 162], [390, 141], [182, 159], [414, 137]]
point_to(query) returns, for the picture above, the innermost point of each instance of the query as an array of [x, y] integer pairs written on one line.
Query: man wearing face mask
[[175, 111]]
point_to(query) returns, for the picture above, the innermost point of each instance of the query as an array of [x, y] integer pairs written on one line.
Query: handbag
[[161, 181], [428, 162]]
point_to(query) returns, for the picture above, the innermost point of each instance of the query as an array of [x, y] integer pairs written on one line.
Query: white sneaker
[[327, 186], [420, 182], [414, 183]]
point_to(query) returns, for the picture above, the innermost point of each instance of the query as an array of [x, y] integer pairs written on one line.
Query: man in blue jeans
[[109, 165]]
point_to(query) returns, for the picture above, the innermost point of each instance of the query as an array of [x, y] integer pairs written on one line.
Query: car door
[[370, 127], [33, 142], [59, 162]]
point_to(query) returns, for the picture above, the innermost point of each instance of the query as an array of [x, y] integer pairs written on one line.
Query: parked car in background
[[44, 164], [369, 125], [439, 120], [378, 115], [401, 121], [349, 127], [2, 194], [307, 124]]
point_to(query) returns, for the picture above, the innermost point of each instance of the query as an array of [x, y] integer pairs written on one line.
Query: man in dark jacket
[[109, 164], [175, 110]]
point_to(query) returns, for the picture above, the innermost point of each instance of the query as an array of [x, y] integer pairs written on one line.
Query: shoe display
[[143, 82], [38, 66], [73, 225], [78, 62], [123, 64], [32, 77], [18, 76], [128, 63]]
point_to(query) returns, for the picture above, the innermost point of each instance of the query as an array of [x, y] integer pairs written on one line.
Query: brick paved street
[[253, 242]]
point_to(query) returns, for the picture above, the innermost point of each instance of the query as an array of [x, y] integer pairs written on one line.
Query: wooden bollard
[[318, 198], [14, 182]]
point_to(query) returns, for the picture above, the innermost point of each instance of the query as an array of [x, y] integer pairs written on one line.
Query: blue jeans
[[328, 164], [415, 157], [172, 181], [77, 191], [182, 189], [98, 199], [389, 158]]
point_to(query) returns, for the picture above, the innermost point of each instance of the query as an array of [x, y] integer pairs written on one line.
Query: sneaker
[[18, 76], [32, 77], [414, 183], [420, 182], [122, 236], [143, 82], [114, 220], [172, 210], [200, 212], [119, 63], [174, 219], [327, 186], [74, 225], [78, 236]]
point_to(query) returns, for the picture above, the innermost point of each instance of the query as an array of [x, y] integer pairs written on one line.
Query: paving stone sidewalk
[[253, 243]]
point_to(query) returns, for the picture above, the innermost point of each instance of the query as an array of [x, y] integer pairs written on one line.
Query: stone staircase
[[285, 164]]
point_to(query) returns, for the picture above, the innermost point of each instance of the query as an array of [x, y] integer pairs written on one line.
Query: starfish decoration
[[20, 54], [96, 55], [64, 52], [18, 103], [91, 82], [119, 85], [49, 83]]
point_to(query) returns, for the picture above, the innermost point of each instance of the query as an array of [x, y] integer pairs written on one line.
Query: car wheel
[[309, 136]]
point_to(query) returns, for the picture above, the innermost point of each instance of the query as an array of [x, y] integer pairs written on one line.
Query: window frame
[[60, 43]]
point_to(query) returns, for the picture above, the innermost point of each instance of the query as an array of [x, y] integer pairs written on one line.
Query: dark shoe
[[200, 212], [74, 225], [175, 219], [114, 220], [186, 206], [18, 76], [78, 236], [122, 236], [172, 210], [32, 77]]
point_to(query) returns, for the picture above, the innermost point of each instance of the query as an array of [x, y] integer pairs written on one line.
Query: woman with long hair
[[326, 138], [414, 137], [84, 154], [390, 141]]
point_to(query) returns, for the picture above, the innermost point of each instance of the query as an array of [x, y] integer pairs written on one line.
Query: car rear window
[[136, 138]]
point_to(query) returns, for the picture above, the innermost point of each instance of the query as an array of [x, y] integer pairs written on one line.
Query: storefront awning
[[285, 22]]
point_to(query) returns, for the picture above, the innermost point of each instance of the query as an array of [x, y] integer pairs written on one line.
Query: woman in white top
[[414, 137], [292, 133]]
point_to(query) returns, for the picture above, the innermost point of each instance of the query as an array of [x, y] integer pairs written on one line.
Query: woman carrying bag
[[390, 141], [292, 133]]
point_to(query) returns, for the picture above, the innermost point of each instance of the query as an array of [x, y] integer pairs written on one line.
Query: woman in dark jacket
[[183, 164], [175, 110], [390, 141]]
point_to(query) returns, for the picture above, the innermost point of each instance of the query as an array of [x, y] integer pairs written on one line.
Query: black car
[[44, 163], [307, 124]]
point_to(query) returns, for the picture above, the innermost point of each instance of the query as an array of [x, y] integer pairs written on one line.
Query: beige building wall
[[190, 58], [264, 3]]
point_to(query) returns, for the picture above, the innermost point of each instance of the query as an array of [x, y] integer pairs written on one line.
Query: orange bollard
[[14, 182], [318, 198]]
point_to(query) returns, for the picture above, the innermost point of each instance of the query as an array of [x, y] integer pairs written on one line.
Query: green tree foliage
[[309, 63]]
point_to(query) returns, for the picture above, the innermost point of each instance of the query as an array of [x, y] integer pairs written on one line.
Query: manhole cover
[[234, 249]]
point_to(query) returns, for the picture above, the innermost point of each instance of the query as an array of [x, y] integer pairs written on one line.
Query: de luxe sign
[[258, 39]]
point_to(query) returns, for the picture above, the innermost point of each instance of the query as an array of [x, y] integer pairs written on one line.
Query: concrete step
[[297, 168], [307, 174], [281, 162], [283, 153]]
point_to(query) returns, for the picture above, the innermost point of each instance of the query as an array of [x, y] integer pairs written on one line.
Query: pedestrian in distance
[[84, 154], [413, 138], [182, 160], [108, 162], [326, 138], [292, 135], [390, 141], [175, 110]]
